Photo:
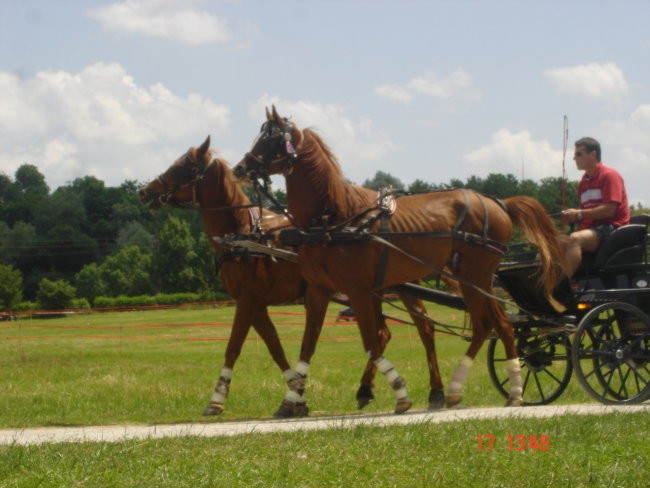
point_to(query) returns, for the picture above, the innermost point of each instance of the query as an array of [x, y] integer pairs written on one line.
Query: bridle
[[190, 168], [272, 135]]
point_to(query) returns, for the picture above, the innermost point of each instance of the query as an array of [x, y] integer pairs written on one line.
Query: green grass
[[589, 451], [114, 368], [117, 368]]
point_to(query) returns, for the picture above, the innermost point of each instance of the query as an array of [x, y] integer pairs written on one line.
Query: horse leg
[[426, 331], [506, 333], [240, 327], [364, 393], [365, 309], [485, 314], [269, 334], [478, 308], [295, 401]]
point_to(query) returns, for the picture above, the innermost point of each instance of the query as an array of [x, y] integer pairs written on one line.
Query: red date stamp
[[514, 442]]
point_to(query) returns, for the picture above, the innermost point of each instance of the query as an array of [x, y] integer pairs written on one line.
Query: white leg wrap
[[460, 375], [288, 374], [302, 368], [388, 370], [296, 380], [392, 376], [514, 374], [294, 397], [223, 386]]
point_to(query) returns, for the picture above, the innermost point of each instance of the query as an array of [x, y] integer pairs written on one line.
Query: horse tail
[[531, 217]]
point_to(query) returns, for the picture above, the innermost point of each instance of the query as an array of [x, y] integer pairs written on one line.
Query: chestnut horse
[[459, 230], [253, 281]]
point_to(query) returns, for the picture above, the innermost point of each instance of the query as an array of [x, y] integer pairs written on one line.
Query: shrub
[[80, 303], [55, 295], [11, 286]]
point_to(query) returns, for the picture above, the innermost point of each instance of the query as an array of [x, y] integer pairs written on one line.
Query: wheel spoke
[[610, 353]]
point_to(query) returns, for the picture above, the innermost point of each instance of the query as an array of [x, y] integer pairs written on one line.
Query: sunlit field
[[161, 365]]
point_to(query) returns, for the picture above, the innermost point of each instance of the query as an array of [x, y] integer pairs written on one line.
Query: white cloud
[[171, 19], [394, 92], [458, 83], [626, 147], [593, 80], [98, 122], [354, 142], [514, 153]]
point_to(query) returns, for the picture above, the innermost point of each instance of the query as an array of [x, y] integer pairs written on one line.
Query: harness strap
[[387, 207]]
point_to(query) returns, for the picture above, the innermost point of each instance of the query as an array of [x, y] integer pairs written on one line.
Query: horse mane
[[230, 193], [325, 173]]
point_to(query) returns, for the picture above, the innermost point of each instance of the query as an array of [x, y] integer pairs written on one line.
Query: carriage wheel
[[545, 364], [611, 353]]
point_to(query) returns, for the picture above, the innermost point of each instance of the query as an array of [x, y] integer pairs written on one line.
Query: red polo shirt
[[604, 186]]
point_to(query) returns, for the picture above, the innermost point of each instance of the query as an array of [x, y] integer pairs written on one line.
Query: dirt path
[[116, 433]]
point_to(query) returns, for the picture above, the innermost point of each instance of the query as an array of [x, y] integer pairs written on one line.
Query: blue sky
[[433, 90]]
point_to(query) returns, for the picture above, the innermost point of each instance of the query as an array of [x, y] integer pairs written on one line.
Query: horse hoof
[[364, 396], [453, 400], [436, 399], [515, 402], [289, 410], [403, 404], [213, 409]]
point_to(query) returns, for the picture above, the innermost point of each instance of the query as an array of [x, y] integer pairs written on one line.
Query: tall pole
[[564, 147]]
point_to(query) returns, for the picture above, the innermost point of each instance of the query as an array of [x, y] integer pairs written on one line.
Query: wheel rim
[[545, 365], [611, 353]]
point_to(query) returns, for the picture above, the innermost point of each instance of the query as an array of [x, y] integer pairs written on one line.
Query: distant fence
[[128, 308]]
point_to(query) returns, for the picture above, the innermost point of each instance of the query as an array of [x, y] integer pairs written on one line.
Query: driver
[[603, 203]]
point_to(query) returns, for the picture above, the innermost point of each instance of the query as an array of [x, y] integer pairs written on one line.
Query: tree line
[[85, 240]]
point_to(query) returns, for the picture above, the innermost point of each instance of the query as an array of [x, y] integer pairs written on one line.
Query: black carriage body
[[603, 335], [617, 272]]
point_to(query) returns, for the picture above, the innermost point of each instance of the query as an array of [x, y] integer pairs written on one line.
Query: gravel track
[[118, 433]]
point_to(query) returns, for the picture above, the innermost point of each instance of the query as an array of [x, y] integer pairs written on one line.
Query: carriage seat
[[625, 246]]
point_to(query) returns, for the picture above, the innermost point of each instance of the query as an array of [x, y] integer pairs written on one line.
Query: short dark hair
[[590, 144]]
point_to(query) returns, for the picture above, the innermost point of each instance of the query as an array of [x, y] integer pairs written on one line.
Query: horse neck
[[218, 191], [316, 186]]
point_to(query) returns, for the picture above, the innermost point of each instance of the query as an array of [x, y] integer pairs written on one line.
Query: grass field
[[160, 367]]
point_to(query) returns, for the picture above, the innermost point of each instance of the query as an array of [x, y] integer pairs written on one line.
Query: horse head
[[177, 185], [273, 151]]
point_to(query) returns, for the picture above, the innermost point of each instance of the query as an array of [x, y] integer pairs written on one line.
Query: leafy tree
[[90, 284], [55, 295], [456, 183], [21, 198], [550, 194], [176, 257], [11, 286], [419, 186], [383, 180], [125, 273], [530, 188], [500, 186], [206, 269], [134, 234], [30, 180]]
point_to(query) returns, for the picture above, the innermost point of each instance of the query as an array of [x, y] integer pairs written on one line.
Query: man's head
[[587, 153]]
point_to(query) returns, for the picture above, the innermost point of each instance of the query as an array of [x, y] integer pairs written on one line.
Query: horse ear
[[268, 114], [276, 117], [204, 147]]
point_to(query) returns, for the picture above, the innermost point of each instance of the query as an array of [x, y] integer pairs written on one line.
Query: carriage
[[603, 336]]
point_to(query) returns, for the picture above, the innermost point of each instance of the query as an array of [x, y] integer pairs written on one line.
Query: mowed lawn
[[160, 366]]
